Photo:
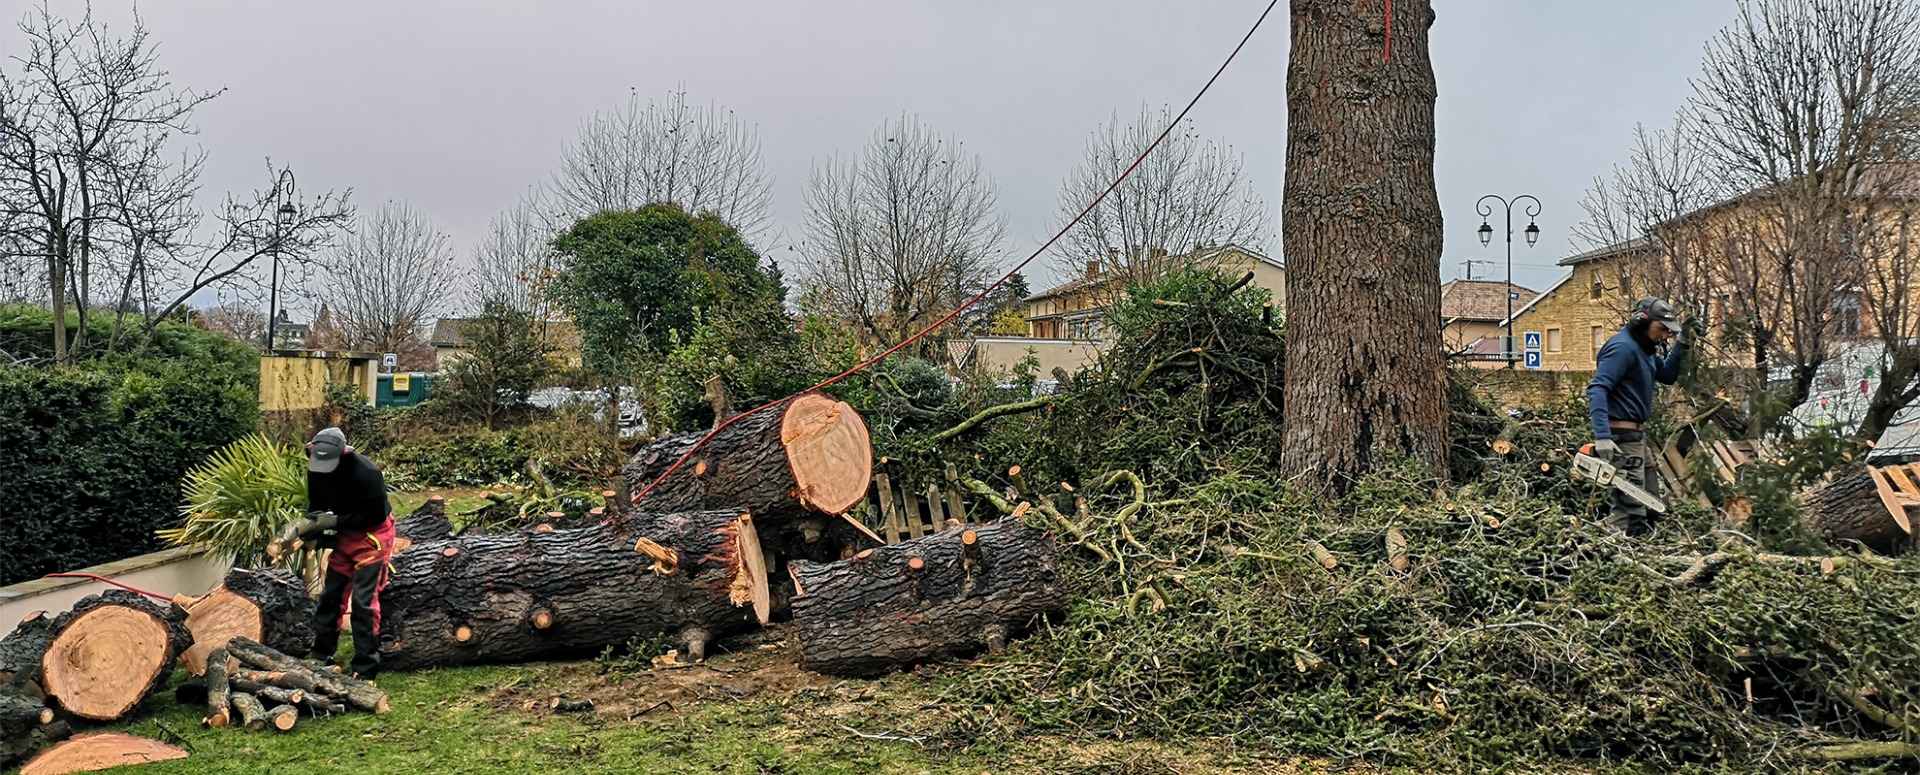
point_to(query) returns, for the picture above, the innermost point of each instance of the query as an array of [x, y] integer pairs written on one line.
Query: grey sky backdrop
[[458, 108]]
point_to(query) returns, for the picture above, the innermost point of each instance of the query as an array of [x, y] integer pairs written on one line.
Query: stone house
[[450, 341], [1471, 316]]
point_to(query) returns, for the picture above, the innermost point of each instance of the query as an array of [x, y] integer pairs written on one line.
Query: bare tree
[[703, 159], [1189, 193], [1796, 101], [514, 261], [389, 279], [243, 323], [90, 185], [1890, 293], [901, 233]]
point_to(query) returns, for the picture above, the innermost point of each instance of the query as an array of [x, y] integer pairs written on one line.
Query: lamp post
[[1486, 236], [282, 219]]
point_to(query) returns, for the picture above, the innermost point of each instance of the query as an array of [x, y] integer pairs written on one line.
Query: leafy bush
[[571, 448], [242, 498], [507, 357], [96, 450]]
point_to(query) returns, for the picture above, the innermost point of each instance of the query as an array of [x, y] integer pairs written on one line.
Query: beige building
[[450, 341], [1472, 314]]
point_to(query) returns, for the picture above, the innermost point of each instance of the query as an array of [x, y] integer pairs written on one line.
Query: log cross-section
[[270, 606], [810, 455], [99, 660]]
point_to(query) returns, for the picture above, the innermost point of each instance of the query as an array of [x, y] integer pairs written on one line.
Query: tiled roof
[[451, 332], [1480, 299]]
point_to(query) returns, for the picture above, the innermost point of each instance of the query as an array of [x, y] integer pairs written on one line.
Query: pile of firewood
[[251, 685]]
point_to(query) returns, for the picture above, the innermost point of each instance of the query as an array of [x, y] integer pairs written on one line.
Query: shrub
[[241, 498], [507, 358], [572, 450], [96, 450]]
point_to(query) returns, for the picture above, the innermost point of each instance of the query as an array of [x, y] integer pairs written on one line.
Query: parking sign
[[1533, 359], [1533, 340]]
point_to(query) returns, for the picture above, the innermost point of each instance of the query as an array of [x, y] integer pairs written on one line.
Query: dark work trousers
[[357, 571], [1626, 514]]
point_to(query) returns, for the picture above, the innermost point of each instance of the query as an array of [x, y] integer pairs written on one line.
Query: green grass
[[450, 721], [459, 499]]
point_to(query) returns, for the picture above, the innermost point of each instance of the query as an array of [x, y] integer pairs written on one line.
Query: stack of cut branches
[[251, 685]]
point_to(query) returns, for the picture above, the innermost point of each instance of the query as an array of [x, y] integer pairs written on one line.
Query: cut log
[[318, 705], [270, 694], [26, 725], [270, 606], [1858, 505], [101, 751], [100, 660], [527, 595], [282, 718], [218, 687], [808, 456], [929, 598], [285, 671], [248, 711]]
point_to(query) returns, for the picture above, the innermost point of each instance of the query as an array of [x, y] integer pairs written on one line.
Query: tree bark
[[1365, 372], [99, 660], [427, 523], [99, 751], [285, 671], [807, 457], [219, 709], [270, 606], [948, 594], [26, 725], [1849, 508], [531, 595], [248, 711]]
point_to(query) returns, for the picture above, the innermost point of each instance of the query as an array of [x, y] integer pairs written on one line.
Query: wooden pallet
[[1899, 488], [902, 513], [1725, 458]]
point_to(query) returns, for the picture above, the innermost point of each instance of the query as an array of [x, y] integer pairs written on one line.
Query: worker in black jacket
[[347, 501]]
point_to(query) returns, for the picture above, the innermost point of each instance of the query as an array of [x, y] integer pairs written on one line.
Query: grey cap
[[324, 451]]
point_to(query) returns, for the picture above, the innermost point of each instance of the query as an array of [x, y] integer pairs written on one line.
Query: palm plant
[[242, 498]]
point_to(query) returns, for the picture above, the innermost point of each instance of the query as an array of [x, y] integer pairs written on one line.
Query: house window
[[1553, 340], [1598, 289], [1599, 338], [1846, 314]]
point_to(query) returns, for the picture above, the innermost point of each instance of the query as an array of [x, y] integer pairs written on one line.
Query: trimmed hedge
[[92, 454]]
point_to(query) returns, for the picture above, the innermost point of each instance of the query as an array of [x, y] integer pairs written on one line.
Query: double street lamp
[[1486, 210], [282, 220]]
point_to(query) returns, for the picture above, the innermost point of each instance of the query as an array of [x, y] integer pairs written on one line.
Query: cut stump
[[100, 660], [1859, 504], [270, 606], [808, 456], [95, 752], [949, 594]]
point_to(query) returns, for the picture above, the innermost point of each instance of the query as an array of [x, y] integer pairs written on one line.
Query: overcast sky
[[457, 108]]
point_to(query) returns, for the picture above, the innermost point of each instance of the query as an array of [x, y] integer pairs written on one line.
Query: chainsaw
[[1593, 469]]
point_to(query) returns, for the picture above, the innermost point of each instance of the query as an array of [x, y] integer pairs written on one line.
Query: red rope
[[1386, 52], [948, 318], [110, 582]]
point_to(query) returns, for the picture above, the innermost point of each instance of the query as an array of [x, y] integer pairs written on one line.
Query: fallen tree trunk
[[531, 595], [99, 660], [26, 725], [270, 606], [949, 594], [1858, 505], [100, 751], [807, 457]]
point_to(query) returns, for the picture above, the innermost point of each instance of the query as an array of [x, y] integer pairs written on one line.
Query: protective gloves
[[1605, 449]]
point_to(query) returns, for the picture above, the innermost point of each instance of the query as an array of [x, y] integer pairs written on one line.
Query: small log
[[810, 455], [594, 587], [101, 659], [268, 693], [1322, 556], [248, 711], [321, 705], [1397, 550], [873, 614], [1859, 504], [302, 680], [26, 725], [570, 705], [100, 751], [357, 693], [612, 501], [282, 718], [270, 606], [218, 687]]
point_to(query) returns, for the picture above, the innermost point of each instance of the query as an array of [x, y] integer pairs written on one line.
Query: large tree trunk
[[1856, 505], [101, 659], [808, 457], [270, 606], [1365, 372], [948, 594], [100, 751], [531, 595]]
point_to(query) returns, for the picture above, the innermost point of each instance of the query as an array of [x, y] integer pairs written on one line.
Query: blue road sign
[[1533, 340], [1533, 359]]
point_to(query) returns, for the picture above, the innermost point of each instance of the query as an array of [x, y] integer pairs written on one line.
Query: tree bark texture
[[531, 595], [270, 606], [26, 725], [99, 660], [1849, 508], [806, 457], [1365, 372], [949, 594], [272, 667], [427, 523]]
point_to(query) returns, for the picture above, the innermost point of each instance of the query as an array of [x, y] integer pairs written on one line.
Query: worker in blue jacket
[[1620, 399]]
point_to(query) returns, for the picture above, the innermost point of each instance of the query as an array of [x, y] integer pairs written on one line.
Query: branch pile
[[251, 685]]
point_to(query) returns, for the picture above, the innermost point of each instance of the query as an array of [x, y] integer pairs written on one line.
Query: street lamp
[[1486, 236], [282, 220]]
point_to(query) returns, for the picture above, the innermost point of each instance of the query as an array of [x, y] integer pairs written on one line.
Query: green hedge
[[92, 454]]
